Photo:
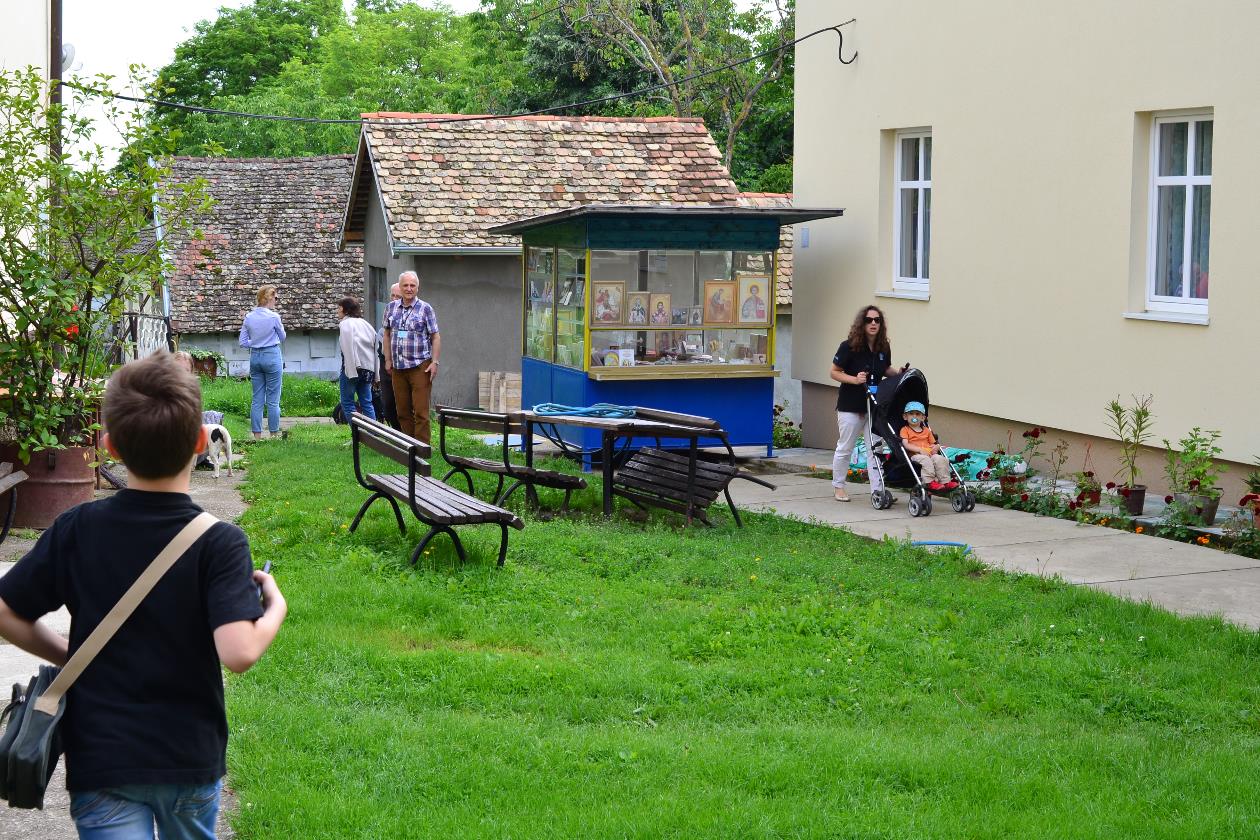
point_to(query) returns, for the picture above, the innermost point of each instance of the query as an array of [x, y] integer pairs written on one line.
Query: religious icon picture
[[719, 302], [678, 316], [606, 303], [696, 317], [754, 306], [659, 310], [637, 308]]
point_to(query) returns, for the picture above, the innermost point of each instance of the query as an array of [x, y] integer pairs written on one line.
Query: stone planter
[[1200, 506], [58, 480]]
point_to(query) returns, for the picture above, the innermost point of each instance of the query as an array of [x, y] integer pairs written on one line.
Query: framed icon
[[607, 301], [696, 315], [659, 310], [754, 299], [719, 302], [637, 308]]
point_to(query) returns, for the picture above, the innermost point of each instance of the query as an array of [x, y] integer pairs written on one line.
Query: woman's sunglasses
[[875, 320]]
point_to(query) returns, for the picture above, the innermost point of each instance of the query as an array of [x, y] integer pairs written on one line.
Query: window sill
[[903, 294], [1169, 317]]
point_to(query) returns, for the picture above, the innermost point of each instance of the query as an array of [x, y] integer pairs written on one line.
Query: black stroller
[[886, 403]]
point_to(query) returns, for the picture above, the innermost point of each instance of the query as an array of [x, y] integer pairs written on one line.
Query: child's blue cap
[[914, 406]]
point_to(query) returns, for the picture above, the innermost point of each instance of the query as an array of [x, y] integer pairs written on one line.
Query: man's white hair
[[411, 274]]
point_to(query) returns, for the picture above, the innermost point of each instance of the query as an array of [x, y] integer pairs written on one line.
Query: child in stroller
[[920, 442], [888, 405]]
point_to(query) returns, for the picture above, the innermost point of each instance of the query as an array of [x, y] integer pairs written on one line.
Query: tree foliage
[[512, 56]]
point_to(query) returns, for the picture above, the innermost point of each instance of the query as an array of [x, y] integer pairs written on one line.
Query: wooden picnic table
[[614, 428]]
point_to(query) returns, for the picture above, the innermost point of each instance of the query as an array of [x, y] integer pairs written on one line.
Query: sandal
[[842, 496]]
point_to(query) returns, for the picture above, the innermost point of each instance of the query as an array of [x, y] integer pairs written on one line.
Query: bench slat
[[12, 480], [699, 497], [446, 505]]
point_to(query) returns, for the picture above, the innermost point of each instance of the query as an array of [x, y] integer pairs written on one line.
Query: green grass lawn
[[300, 396], [630, 679]]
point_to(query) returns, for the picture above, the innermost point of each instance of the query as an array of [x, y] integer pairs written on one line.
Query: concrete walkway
[[1187, 579], [219, 497]]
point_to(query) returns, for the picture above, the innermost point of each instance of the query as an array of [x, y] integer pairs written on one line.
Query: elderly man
[[388, 408], [412, 349]]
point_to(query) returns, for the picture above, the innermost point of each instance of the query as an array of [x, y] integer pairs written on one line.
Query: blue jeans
[[128, 812], [351, 389], [265, 369]]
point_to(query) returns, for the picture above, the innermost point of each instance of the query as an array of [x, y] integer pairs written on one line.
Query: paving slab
[[1113, 556], [1234, 594]]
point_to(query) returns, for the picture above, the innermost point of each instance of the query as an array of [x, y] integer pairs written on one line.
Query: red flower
[[1089, 473], [1026, 434], [1023, 497], [1035, 433], [1111, 485], [1249, 499], [1168, 500], [74, 308], [1072, 506], [1124, 491], [72, 330], [1194, 484]]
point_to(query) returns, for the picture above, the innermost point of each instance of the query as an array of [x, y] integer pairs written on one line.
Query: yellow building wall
[[24, 35], [1040, 117]]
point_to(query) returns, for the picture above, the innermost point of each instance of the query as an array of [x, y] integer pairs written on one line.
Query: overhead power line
[[198, 109]]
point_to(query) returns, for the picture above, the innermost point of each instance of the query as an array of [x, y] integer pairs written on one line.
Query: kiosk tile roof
[[783, 291], [273, 220], [443, 183]]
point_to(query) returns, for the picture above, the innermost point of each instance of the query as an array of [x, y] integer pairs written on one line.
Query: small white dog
[[219, 442]]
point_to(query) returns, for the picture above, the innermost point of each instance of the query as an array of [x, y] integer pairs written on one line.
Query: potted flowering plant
[[1012, 470], [78, 242], [1192, 471], [1252, 499], [1088, 487], [1132, 427]]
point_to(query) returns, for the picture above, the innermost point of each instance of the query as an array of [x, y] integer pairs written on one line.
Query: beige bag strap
[[175, 549]]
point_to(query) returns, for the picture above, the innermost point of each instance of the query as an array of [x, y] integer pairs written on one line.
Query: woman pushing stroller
[[862, 360]]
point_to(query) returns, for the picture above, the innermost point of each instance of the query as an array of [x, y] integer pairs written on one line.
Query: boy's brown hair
[[153, 415]]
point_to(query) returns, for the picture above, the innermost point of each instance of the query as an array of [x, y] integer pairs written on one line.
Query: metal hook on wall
[[840, 48]]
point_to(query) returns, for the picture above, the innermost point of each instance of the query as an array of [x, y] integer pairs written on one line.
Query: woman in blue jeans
[[263, 333]]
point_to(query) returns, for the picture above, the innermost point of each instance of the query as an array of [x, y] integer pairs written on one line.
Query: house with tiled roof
[[427, 187], [272, 221]]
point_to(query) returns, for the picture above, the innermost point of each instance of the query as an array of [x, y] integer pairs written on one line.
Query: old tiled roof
[[274, 220], [783, 291], [443, 183]]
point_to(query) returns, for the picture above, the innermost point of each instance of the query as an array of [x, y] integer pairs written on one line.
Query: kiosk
[[671, 307]]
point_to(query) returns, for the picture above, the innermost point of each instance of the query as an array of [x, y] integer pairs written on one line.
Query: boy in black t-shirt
[[145, 730]]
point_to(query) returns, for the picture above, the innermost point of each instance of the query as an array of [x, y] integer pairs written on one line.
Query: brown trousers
[[412, 388]]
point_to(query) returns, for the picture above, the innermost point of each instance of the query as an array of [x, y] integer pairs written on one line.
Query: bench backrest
[[677, 418], [479, 421], [393, 444]]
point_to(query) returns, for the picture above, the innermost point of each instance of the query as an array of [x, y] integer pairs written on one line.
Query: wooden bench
[[437, 505], [518, 475], [682, 483], [9, 480]]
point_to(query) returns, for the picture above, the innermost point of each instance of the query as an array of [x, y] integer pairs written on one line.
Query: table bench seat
[[663, 479]]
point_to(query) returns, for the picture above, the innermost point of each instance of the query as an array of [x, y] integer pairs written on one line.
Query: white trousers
[[851, 426]]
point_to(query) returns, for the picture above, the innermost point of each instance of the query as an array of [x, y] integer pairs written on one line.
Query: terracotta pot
[[1201, 507], [1136, 500], [207, 366], [1012, 485], [58, 480]]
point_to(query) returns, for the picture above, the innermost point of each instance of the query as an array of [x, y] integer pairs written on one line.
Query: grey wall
[[478, 305], [787, 391], [305, 351]]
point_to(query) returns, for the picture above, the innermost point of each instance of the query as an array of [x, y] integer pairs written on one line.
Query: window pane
[[1170, 240], [1172, 148], [1200, 223], [910, 158], [909, 232], [570, 302], [927, 232], [1203, 147], [927, 158], [539, 295]]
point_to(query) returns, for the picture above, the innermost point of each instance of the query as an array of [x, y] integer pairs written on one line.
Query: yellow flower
[[752, 577], [1138, 529]]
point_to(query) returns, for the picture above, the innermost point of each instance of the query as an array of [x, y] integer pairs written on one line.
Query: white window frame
[[916, 280], [1182, 305]]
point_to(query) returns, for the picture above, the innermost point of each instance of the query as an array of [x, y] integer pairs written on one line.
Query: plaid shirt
[[411, 331]]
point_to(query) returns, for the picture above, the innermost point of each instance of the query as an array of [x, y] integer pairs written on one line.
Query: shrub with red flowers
[[77, 235]]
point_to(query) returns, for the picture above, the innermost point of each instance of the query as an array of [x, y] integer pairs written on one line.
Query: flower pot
[[58, 479], [1255, 515], [1136, 500], [1200, 506], [207, 366], [1012, 485]]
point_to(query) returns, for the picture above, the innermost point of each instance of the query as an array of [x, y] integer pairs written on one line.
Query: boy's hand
[[270, 591]]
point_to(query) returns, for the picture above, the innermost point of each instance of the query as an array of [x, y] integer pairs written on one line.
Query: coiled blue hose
[[966, 548], [596, 410]]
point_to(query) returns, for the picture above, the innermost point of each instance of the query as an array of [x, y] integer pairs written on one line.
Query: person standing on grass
[[262, 333], [864, 358], [357, 341], [386, 408], [412, 349], [145, 731]]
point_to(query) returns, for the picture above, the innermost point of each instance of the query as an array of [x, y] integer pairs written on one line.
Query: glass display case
[[649, 309]]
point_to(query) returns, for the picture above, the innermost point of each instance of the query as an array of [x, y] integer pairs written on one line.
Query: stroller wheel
[[919, 506], [971, 500], [958, 501], [877, 499]]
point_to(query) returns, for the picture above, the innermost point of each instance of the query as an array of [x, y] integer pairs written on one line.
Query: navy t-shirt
[[149, 708], [852, 398]]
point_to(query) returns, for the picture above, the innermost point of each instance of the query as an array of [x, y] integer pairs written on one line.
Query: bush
[[300, 396]]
